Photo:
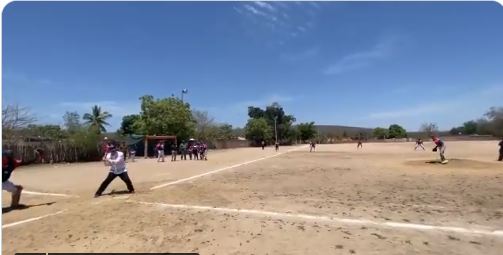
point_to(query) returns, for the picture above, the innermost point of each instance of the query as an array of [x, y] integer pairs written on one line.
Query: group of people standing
[[196, 150]]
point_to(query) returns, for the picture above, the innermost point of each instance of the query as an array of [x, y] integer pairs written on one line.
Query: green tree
[[380, 133], [492, 124], [456, 131], [307, 131], [128, 124], [274, 113], [396, 131], [225, 131], [257, 130], [166, 116], [470, 127], [255, 112], [483, 127], [87, 141], [97, 119], [45, 131], [71, 121], [495, 120], [238, 132], [284, 122]]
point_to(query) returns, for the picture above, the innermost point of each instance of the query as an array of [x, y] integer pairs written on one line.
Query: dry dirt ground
[[383, 199]]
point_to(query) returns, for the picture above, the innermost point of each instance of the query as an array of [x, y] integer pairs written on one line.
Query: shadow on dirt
[[455, 163], [23, 206], [119, 192]]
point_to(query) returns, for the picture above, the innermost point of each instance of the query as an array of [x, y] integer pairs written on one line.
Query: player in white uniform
[[115, 160]]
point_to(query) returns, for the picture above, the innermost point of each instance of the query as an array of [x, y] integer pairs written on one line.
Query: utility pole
[[184, 91]]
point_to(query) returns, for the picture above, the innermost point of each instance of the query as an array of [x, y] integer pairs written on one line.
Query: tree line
[[172, 116], [273, 124], [78, 138], [76, 141], [490, 124]]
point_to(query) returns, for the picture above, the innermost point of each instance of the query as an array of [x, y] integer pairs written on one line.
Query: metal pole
[[184, 91]]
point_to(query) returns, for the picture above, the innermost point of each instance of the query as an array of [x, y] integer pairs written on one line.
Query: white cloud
[[363, 58], [266, 6], [283, 21], [253, 9]]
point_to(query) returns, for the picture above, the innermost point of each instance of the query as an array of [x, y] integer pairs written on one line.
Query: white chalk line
[[46, 194], [387, 224], [222, 169], [31, 219]]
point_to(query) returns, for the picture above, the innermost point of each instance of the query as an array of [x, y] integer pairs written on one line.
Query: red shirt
[[438, 142], [5, 162]]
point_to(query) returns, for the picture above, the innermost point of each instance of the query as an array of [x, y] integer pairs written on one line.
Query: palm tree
[[97, 119]]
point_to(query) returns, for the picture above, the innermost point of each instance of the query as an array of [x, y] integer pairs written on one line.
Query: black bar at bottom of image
[[90, 253]]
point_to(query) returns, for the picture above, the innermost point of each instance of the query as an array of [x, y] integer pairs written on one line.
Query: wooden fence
[[50, 151]]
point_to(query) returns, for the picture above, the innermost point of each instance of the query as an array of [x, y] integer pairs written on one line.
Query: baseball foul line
[[31, 219], [125, 197], [222, 169], [46, 194], [279, 215]]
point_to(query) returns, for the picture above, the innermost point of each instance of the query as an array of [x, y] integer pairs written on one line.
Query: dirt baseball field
[[385, 198]]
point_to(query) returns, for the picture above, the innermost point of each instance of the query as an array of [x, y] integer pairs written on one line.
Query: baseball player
[[8, 165], [419, 143], [500, 158], [440, 146], [117, 164]]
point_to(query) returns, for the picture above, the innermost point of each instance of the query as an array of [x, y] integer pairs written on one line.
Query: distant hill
[[339, 131]]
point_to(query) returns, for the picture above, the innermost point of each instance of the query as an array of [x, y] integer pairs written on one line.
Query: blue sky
[[361, 64]]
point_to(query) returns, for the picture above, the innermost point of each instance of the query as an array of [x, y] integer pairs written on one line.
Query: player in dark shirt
[[8, 165], [419, 143], [501, 150], [312, 146]]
